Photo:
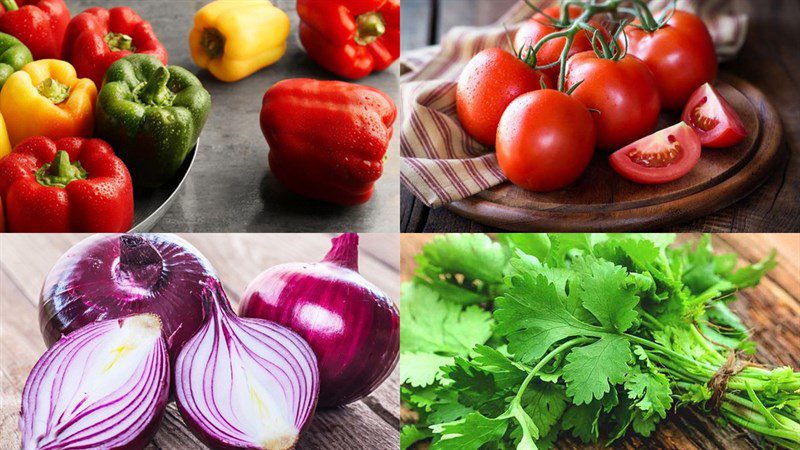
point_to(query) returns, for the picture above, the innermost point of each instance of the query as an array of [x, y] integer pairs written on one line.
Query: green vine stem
[[569, 29]]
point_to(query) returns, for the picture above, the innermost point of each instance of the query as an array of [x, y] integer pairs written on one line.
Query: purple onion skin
[[108, 276], [350, 324]]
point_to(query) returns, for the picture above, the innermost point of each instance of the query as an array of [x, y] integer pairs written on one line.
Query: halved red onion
[[353, 327], [103, 386], [108, 276], [245, 383]]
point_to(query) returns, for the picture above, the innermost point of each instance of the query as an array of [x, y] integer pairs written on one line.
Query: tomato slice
[[659, 158], [713, 119]]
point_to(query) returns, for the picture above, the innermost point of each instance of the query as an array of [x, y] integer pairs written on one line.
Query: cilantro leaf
[[432, 325], [650, 390], [534, 316], [603, 288], [469, 433], [463, 268], [591, 370], [421, 369], [534, 244], [545, 403], [410, 434]]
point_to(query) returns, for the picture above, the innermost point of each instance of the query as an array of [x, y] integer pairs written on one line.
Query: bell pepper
[[13, 56], [46, 98], [97, 37], [68, 185], [327, 139], [351, 38], [152, 115], [233, 39], [5, 143], [39, 24]]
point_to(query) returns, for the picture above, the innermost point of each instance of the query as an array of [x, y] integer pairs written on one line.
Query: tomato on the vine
[[623, 92], [681, 55], [662, 157], [491, 80], [545, 140], [539, 26], [713, 119]]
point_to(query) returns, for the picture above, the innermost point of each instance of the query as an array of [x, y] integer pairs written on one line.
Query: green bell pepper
[[13, 56], [151, 115]]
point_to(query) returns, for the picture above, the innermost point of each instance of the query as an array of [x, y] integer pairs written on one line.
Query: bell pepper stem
[[60, 172], [55, 91], [155, 91], [119, 42], [9, 5], [370, 26], [213, 42]]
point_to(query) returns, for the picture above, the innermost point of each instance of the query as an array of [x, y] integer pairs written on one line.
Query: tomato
[[659, 158], [545, 140], [681, 55], [491, 80], [713, 119], [624, 92], [539, 26]]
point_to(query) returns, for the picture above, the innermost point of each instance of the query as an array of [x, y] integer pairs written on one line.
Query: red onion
[[351, 325], [245, 383], [113, 276], [104, 386]]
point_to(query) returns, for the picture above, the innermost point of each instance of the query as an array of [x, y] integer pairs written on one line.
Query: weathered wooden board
[[771, 310], [371, 423]]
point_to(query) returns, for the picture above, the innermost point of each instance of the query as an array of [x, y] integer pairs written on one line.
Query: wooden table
[[771, 310], [25, 260], [769, 60], [230, 187]]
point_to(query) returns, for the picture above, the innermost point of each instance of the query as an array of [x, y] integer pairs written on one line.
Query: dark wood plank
[[767, 61]]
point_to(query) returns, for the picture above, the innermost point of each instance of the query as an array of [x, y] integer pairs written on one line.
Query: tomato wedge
[[659, 158], [713, 119]]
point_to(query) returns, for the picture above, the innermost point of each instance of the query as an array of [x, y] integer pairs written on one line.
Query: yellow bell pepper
[[233, 39], [5, 144], [46, 98]]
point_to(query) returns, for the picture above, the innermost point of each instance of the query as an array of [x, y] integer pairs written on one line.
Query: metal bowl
[[150, 205]]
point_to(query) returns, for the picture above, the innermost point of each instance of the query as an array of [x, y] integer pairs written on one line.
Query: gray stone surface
[[230, 188]]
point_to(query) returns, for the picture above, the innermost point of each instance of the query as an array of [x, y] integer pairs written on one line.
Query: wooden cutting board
[[604, 201]]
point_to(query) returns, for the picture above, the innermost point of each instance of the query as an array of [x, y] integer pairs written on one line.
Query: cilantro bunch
[[515, 342]]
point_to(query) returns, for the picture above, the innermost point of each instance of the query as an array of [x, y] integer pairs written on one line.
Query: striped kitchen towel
[[441, 163]]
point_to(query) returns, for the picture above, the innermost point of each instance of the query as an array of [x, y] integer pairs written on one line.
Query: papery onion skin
[[111, 276], [231, 355], [51, 401], [352, 325]]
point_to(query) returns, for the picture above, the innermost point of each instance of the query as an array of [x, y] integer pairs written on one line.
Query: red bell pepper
[[97, 37], [68, 185], [351, 38], [39, 24], [327, 139]]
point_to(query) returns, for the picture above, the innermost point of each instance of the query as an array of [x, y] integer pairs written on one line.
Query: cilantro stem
[[555, 352]]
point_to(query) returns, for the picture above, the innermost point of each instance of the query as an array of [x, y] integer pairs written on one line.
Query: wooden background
[[230, 187], [771, 310], [769, 60], [25, 260]]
